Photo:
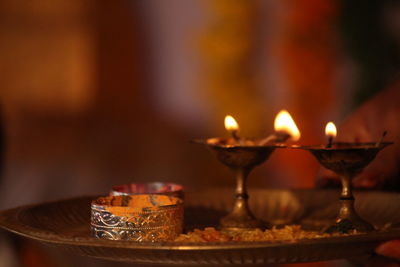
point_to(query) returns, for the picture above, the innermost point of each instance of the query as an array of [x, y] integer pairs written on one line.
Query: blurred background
[[99, 93]]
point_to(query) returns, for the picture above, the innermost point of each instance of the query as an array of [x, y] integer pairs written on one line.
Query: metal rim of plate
[[226, 253]]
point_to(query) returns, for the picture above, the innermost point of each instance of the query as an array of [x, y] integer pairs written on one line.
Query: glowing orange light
[[285, 124], [330, 130], [231, 124]]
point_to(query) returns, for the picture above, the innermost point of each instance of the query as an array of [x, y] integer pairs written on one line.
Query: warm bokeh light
[[284, 123], [231, 124], [330, 129]]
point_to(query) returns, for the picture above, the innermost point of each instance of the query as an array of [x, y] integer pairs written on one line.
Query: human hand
[[388, 255], [366, 124], [390, 249]]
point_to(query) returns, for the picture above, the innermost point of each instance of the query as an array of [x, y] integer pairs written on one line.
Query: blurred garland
[[228, 55]]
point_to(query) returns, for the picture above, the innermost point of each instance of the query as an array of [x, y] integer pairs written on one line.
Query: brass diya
[[347, 160], [241, 158]]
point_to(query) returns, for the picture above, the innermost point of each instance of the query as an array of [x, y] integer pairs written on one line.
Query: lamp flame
[[231, 124], [285, 124], [330, 130]]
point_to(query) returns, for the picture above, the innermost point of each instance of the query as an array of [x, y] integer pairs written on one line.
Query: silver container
[[144, 217]]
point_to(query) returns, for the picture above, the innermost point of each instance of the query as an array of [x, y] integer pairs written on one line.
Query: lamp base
[[241, 217], [348, 220], [235, 223]]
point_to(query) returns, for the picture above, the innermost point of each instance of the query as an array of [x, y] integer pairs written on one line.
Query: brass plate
[[66, 224]]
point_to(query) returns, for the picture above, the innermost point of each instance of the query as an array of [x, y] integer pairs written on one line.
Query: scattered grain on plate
[[286, 233]]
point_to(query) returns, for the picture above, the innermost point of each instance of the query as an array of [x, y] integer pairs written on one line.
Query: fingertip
[[368, 179], [389, 249], [365, 183]]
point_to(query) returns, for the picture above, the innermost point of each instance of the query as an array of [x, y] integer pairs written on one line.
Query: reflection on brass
[[156, 223], [241, 159], [347, 160]]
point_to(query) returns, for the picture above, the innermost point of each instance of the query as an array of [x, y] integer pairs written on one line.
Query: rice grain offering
[[287, 233]]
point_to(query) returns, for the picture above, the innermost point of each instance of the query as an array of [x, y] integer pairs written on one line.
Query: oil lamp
[[347, 160], [241, 155]]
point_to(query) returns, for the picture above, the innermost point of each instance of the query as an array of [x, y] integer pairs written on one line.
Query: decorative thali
[[66, 224]]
